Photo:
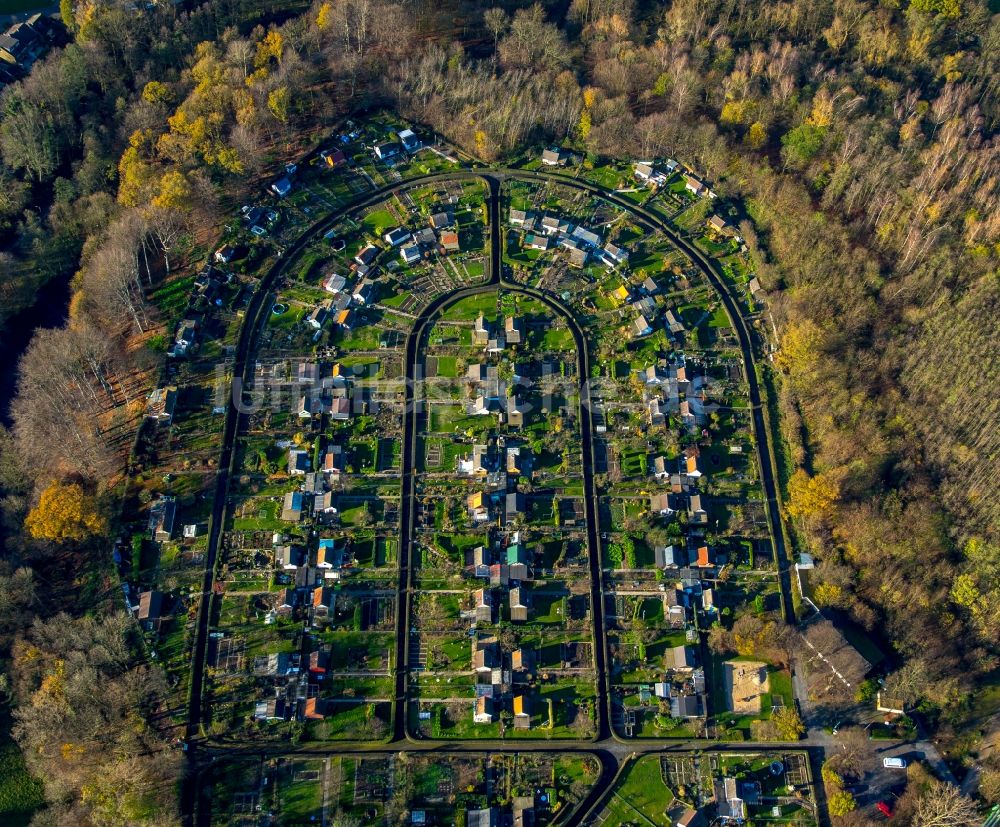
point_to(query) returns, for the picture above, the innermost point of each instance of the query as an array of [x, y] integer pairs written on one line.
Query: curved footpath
[[612, 752]]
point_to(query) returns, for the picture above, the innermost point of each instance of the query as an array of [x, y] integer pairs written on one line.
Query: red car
[[884, 808]]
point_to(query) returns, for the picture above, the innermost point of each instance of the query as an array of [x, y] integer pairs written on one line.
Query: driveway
[[878, 782]]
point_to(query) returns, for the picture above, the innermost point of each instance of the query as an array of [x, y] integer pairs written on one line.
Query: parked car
[[894, 763]]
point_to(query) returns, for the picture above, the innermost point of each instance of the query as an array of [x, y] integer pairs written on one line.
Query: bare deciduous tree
[[943, 805]]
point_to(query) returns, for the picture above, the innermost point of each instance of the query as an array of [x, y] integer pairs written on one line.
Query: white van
[[894, 763]]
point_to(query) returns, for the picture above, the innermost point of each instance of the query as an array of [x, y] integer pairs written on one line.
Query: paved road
[[242, 370], [612, 752], [613, 755], [414, 368], [407, 511], [598, 622], [760, 425]]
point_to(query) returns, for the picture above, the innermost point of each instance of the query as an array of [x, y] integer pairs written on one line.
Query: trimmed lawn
[[557, 339], [569, 768], [547, 608], [266, 518], [446, 419], [447, 366], [641, 796], [351, 720], [289, 318], [608, 177], [380, 221], [360, 338], [456, 545], [469, 308], [719, 318], [301, 799]]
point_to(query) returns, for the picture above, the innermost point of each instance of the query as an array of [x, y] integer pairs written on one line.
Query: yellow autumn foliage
[[811, 496], [271, 47], [324, 16], [175, 191], [65, 513]]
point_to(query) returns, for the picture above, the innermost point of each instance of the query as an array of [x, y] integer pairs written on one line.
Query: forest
[[859, 136]]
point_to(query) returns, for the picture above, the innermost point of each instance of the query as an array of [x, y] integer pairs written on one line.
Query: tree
[[756, 135], [867, 690], [788, 723], [944, 8], [909, 683], [848, 759], [14, 197], [67, 14], [750, 634], [17, 598], [497, 21], [134, 171], [113, 279], [811, 496], [801, 144], [841, 803], [943, 805], [157, 92], [78, 721], [977, 589], [733, 112], [828, 594], [270, 48], [989, 784], [830, 776], [31, 133], [324, 16], [166, 225], [59, 398], [65, 513], [277, 102], [175, 191], [531, 43]]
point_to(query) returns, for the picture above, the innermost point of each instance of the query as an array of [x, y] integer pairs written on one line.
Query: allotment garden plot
[[306, 633], [400, 788], [680, 787], [499, 642], [501, 637], [685, 542]]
